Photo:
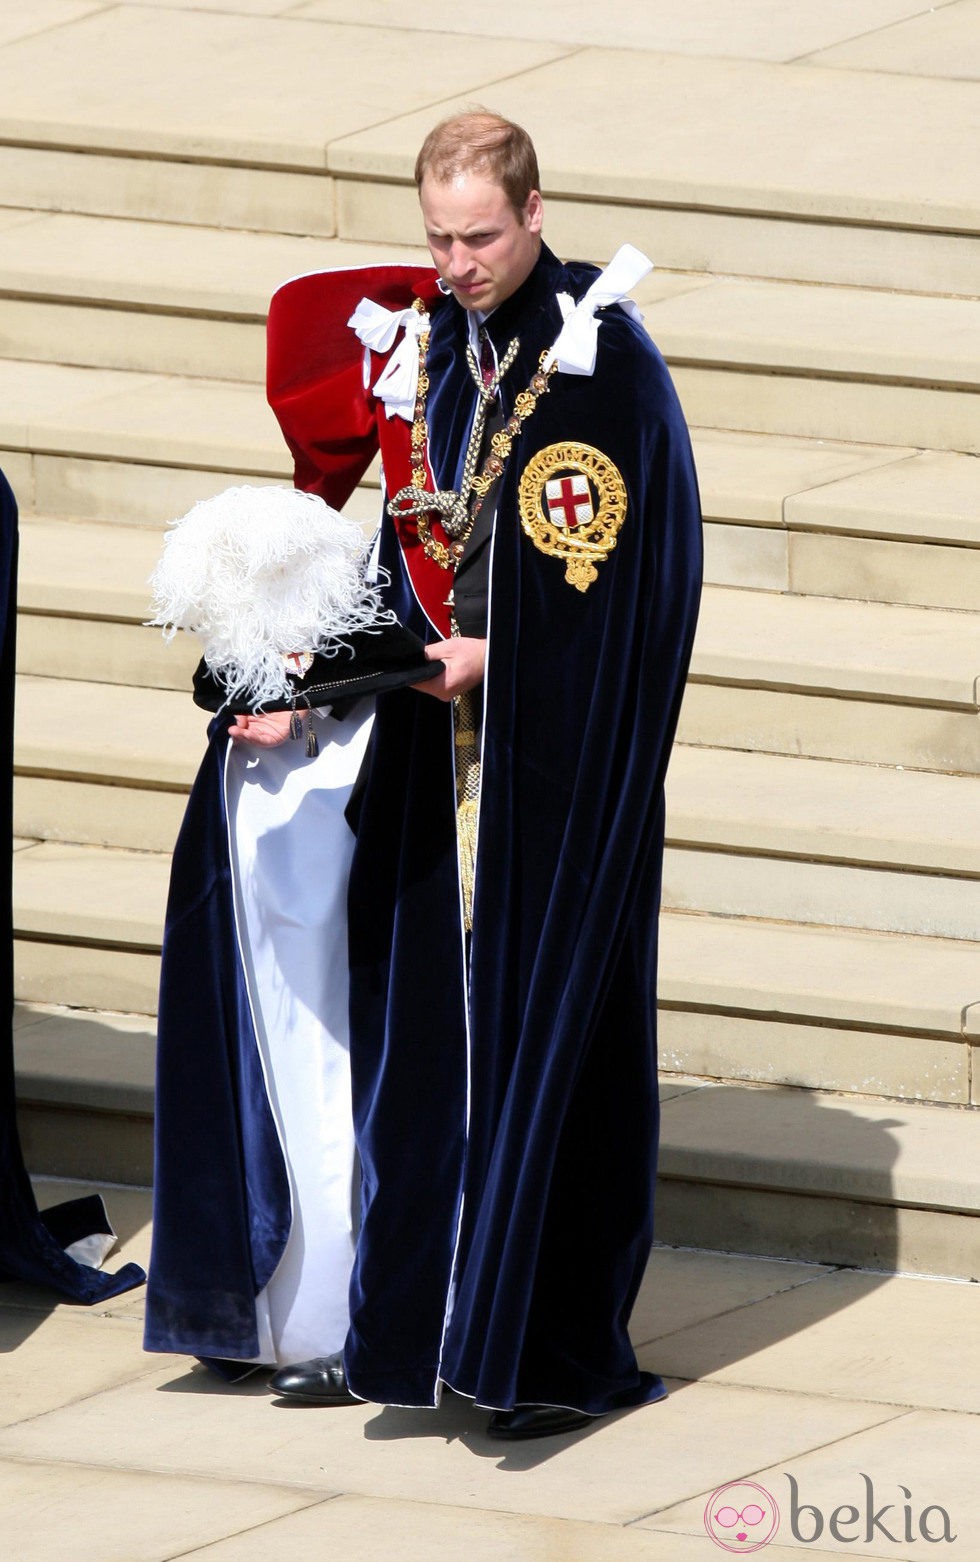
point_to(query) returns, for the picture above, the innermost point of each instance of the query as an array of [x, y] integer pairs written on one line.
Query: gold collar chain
[[455, 511]]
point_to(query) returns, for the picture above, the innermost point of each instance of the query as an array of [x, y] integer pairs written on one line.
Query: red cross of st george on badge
[[572, 502], [569, 500]]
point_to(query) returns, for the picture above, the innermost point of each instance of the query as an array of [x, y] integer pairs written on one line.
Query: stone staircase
[[820, 975]]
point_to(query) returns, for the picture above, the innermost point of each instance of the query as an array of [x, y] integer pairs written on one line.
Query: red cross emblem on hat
[[569, 500]]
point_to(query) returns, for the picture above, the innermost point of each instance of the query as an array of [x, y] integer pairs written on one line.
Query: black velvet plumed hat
[[276, 586]]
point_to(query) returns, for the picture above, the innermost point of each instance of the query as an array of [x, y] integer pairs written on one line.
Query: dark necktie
[[488, 367]]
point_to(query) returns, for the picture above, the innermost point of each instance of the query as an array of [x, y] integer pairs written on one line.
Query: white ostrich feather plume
[[258, 574]]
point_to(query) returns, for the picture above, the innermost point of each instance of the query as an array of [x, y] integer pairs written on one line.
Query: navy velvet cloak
[[221, 1204], [32, 1243], [507, 1117], [506, 1107]]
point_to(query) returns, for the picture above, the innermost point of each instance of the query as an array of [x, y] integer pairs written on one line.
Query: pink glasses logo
[[741, 1517]]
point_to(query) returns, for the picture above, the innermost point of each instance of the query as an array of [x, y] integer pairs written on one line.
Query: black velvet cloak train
[[32, 1243], [505, 1094]]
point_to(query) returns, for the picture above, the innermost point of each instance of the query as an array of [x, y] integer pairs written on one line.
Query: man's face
[[481, 247]]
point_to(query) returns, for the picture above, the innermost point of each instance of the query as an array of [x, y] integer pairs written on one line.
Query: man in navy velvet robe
[[504, 1077]]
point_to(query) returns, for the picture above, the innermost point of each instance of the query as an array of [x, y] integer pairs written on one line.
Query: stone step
[[866, 681], [123, 417], [809, 1175], [871, 682], [875, 1013], [825, 362], [752, 834], [157, 297], [803, 840], [872, 522], [83, 598], [825, 1008], [103, 764], [787, 1173], [88, 924], [83, 602], [780, 179], [85, 1092], [758, 835]]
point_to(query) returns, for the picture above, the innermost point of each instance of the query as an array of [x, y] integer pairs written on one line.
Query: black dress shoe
[[322, 1381], [536, 1421]]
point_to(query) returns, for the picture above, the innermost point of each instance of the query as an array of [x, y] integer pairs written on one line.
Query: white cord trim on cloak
[[259, 574]]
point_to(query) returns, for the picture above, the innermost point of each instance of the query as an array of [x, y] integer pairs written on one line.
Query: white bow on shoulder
[[377, 328], [577, 342]]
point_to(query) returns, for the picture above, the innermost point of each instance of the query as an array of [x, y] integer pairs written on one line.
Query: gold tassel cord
[[467, 798]]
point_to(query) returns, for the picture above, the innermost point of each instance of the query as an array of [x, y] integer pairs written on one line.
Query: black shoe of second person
[[536, 1421], [320, 1381]]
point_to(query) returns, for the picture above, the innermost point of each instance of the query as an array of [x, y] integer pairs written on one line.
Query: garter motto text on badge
[[572, 501]]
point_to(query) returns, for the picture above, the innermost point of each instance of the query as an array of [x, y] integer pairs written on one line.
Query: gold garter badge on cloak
[[572, 501]]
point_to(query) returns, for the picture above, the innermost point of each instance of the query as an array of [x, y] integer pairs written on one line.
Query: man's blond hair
[[484, 143]]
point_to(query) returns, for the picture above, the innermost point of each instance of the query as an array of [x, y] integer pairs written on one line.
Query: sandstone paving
[[34, 391], [676, 1085], [179, 1421], [882, 570], [819, 808], [18, 468], [724, 881], [11, 219], [153, 418], [130, 493], [815, 405], [934, 496], [817, 1057], [919, 1461], [64, 1358], [110, 563], [827, 330], [362, 1529], [133, 78], [104, 741], [40, 16], [634, 1487], [237, 7], [67, 806], [159, 190], [167, 265], [940, 41], [810, 141], [104, 894], [909, 1152], [752, 477], [898, 1340], [93, 1515], [107, 1060], [683, 1287], [830, 975], [871, 648], [755, 29]]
